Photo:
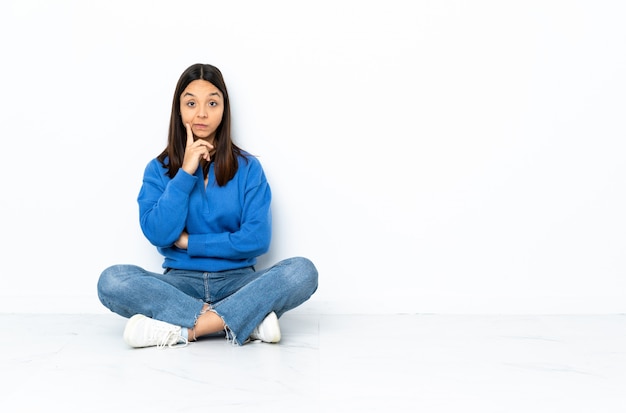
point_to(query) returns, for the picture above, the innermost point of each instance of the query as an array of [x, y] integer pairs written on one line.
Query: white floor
[[325, 363]]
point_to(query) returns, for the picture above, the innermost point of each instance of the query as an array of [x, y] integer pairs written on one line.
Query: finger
[[206, 144], [189, 135], [207, 152]]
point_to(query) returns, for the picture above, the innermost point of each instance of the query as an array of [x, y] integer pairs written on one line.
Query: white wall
[[430, 156]]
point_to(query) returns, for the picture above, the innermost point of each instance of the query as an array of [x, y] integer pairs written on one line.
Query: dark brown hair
[[226, 152]]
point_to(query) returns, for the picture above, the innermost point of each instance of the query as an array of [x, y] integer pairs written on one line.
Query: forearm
[[238, 245], [163, 211]]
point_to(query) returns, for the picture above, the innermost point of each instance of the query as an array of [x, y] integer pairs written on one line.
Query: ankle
[[191, 334]]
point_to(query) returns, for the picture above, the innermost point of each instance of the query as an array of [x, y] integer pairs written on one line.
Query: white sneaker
[[268, 331], [142, 331]]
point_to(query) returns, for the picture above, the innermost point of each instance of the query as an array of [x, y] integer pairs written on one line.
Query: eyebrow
[[210, 94]]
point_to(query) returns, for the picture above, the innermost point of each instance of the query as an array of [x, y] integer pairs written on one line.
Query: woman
[[205, 204]]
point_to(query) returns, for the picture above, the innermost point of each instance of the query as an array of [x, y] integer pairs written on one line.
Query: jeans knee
[[106, 283], [111, 280], [306, 275]]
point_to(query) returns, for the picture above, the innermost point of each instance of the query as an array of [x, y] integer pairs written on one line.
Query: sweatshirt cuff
[[184, 181]]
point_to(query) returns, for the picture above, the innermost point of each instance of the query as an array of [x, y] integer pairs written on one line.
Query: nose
[[203, 112]]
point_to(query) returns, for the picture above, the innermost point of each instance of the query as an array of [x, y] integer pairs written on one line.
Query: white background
[[429, 156]]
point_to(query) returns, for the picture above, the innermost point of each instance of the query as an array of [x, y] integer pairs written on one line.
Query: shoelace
[[165, 341]]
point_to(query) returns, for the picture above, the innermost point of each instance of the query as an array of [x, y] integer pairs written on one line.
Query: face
[[202, 107]]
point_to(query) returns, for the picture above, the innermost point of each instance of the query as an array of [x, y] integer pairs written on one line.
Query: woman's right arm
[[163, 204]]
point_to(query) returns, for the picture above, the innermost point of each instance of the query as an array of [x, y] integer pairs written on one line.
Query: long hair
[[226, 152]]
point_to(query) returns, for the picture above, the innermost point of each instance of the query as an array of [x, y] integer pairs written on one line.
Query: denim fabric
[[242, 297]]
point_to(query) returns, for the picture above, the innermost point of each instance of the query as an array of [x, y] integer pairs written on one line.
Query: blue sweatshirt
[[228, 226]]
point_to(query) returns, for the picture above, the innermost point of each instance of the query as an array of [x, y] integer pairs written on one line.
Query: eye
[[191, 104], [212, 104]]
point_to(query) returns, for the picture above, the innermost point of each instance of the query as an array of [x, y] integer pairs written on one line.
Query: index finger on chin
[[189, 134]]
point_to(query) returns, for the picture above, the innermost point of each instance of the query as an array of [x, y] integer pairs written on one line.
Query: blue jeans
[[242, 297]]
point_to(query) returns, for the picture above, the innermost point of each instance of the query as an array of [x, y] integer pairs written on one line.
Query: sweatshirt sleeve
[[253, 236], [163, 204]]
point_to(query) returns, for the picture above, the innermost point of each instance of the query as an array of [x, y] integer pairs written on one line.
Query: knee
[[107, 281], [112, 279], [305, 273]]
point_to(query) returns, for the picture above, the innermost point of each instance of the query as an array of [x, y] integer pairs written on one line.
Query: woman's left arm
[[253, 236]]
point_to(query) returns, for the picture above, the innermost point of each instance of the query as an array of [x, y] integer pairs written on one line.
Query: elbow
[[160, 240], [263, 245]]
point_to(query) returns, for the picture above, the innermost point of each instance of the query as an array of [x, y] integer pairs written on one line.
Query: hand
[[194, 151], [183, 241]]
